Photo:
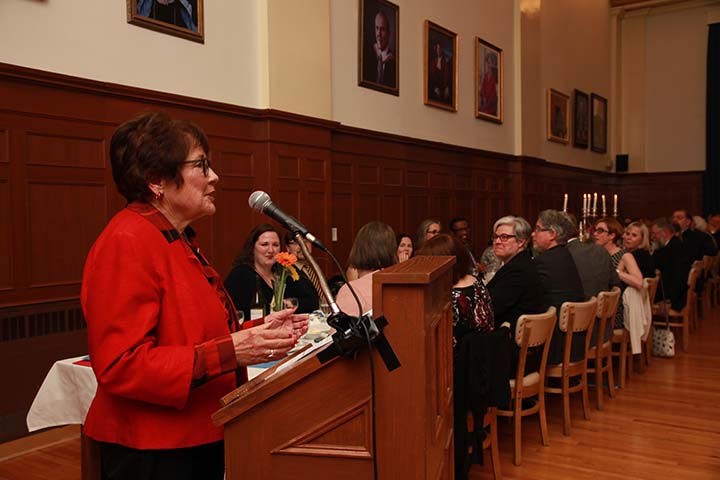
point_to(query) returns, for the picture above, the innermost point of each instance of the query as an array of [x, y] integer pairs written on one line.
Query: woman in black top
[[637, 241], [253, 272]]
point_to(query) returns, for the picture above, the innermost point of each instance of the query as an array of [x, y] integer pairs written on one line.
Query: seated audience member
[[472, 312], [633, 313], [695, 244], [670, 260], [460, 229], [593, 263], [428, 228], [636, 241], [472, 306], [515, 289], [253, 274], [404, 247], [558, 275], [374, 248], [489, 263], [303, 265], [714, 227]]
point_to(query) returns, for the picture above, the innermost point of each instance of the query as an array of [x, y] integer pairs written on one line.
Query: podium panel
[[314, 421]]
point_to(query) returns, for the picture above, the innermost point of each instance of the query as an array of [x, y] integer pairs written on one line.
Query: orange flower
[[286, 259]]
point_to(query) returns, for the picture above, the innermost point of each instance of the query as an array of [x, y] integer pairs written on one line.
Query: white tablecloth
[[66, 393]]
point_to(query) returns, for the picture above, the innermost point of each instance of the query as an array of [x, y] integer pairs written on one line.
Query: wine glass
[[241, 317], [290, 302]]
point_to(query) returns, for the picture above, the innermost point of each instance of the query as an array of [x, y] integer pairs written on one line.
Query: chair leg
[[566, 405], [517, 434], [623, 363], [599, 381], [543, 420], [611, 376], [494, 449], [628, 354], [585, 399], [686, 335]]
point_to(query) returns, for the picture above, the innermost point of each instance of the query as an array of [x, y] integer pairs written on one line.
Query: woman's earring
[[158, 195]]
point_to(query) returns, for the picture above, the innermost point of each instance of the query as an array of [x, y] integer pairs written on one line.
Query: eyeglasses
[[433, 232], [601, 230], [503, 237], [538, 228], [202, 162]]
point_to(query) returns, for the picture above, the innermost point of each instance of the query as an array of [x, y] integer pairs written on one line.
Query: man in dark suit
[[558, 275], [593, 264], [695, 244], [714, 227], [670, 259], [379, 63]]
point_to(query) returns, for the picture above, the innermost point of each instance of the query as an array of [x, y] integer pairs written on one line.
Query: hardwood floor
[[664, 424]]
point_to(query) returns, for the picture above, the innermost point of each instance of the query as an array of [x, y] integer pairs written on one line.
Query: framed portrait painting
[[598, 130], [488, 81], [440, 67], [182, 18], [581, 119], [558, 116], [378, 46]]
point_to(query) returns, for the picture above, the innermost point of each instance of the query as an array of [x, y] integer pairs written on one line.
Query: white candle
[[584, 202], [565, 203], [615, 204], [594, 207], [603, 204]]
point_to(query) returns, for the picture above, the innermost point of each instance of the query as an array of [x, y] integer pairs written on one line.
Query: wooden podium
[[313, 421]]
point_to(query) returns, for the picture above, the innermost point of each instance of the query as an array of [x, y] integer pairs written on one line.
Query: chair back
[[707, 263], [652, 284], [576, 317], [533, 330], [607, 304]]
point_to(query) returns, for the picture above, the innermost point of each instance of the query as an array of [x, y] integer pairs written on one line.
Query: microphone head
[[258, 200]]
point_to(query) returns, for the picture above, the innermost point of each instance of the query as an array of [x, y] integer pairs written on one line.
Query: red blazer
[[147, 301]]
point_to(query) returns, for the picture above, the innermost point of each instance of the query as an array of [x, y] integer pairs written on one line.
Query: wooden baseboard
[[33, 442]]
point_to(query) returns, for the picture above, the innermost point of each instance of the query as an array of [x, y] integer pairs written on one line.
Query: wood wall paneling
[[57, 193]]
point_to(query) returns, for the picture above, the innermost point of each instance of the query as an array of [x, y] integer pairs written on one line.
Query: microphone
[[261, 202]]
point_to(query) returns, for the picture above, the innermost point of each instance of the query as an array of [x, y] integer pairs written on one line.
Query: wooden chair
[[575, 317], [704, 297], [601, 352], [652, 290], [681, 320], [531, 331], [491, 439], [621, 337]]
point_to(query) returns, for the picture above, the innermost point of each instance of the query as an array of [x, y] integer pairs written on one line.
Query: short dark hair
[[374, 247], [151, 147], [455, 220], [445, 244], [400, 236], [247, 254]]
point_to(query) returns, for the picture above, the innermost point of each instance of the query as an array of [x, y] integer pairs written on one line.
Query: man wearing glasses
[[558, 275]]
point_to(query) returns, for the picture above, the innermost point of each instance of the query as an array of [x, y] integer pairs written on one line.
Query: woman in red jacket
[[164, 338]]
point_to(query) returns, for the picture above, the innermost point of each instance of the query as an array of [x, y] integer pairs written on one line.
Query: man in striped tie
[[302, 265]]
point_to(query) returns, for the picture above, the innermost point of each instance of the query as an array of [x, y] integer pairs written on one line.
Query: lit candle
[[584, 203], [615, 204], [594, 207], [565, 203], [603, 204]]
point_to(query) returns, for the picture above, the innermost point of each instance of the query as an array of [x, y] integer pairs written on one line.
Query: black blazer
[[645, 262], [561, 283], [515, 289], [674, 270]]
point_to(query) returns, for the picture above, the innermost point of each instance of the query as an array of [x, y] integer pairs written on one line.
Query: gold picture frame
[[181, 18], [558, 116], [488, 81], [440, 73]]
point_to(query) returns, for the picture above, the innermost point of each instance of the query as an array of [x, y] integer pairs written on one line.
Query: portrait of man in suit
[[379, 49]]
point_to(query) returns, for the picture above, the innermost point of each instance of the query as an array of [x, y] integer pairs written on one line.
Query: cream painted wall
[[92, 39], [676, 56], [566, 45], [406, 114], [299, 57]]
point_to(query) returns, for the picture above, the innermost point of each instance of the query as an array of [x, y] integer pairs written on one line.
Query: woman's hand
[[402, 256], [261, 344], [297, 324]]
